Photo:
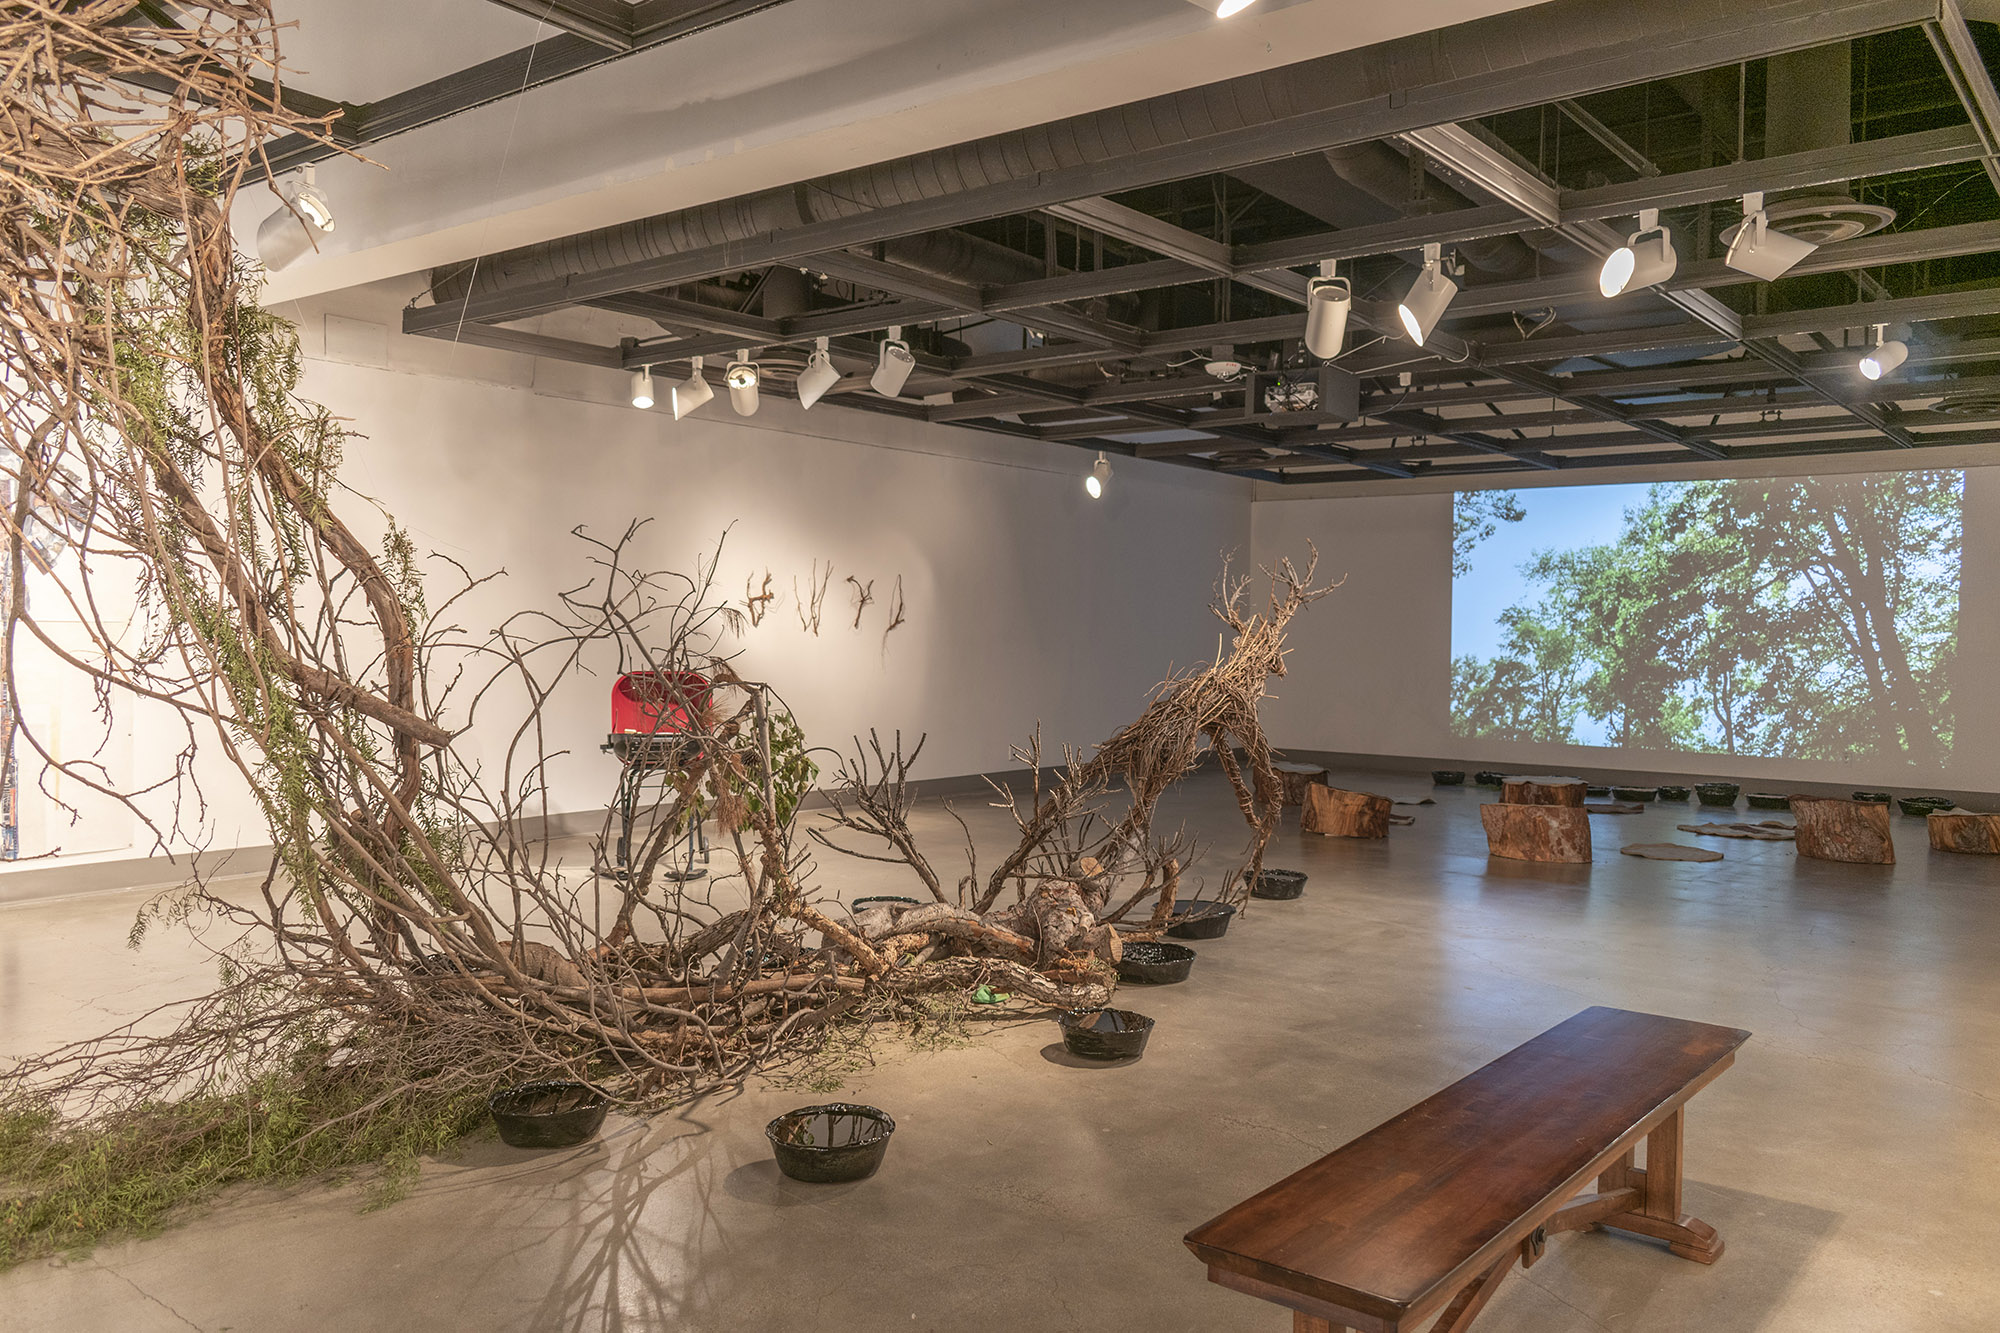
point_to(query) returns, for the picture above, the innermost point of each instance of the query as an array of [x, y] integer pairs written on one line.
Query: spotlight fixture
[[742, 377], [893, 368], [296, 226], [1647, 258], [1757, 250], [692, 392], [1885, 356], [1223, 9], [1328, 300], [1429, 295], [642, 388], [1099, 478], [818, 376]]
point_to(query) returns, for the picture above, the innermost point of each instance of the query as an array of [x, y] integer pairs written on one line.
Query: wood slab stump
[[1345, 814], [1544, 790], [1537, 832], [1832, 828], [1965, 831], [1295, 778]]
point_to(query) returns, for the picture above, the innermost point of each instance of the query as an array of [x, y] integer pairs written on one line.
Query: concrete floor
[[1849, 1159]]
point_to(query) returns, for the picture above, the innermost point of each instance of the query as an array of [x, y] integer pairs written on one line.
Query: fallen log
[[1334, 813], [1559, 833], [1965, 831], [1544, 790]]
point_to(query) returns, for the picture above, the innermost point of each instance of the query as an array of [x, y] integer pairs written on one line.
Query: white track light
[[1647, 258], [1222, 9], [692, 392], [1099, 478], [1328, 299], [741, 377], [818, 376], [1757, 250], [893, 369], [296, 226], [642, 388], [1884, 357], [1429, 295]]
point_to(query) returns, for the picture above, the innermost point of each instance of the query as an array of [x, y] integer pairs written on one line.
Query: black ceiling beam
[[506, 76], [1725, 36], [608, 23]]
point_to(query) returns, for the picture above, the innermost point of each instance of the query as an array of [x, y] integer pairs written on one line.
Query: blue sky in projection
[[1561, 516]]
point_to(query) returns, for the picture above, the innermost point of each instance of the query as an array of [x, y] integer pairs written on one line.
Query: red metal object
[[655, 703]]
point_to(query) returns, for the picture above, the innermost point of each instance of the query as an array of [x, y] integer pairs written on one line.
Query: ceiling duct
[[1809, 104], [1539, 36]]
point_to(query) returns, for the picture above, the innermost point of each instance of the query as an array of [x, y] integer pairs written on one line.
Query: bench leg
[[1311, 1323], [1659, 1213]]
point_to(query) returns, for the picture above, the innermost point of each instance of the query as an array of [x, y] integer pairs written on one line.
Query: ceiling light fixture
[[642, 388], [692, 392], [1647, 258], [741, 377], [1885, 357], [1328, 300], [1223, 9], [1757, 250], [893, 367], [1429, 295], [818, 376], [296, 226], [1099, 478]]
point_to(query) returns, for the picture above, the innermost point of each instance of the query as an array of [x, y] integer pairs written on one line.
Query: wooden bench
[[1429, 1211]]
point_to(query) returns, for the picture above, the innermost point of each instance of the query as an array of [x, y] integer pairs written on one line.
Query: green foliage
[[1476, 516], [792, 768], [1813, 619], [64, 1186]]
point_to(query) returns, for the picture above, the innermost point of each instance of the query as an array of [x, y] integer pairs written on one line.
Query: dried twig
[[863, 595], [756, 601], [813, 600]]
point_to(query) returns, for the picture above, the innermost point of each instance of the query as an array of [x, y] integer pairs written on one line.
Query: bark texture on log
[[1345, 814], [1964, 831], [1537, 832], [1543, 791], [1834, 829], [1295, 778]]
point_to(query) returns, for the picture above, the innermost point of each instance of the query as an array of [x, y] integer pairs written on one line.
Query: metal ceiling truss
[[1737, 390]]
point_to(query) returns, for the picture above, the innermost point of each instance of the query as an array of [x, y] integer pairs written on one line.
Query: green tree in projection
[[1806, 618], [1475, 516]]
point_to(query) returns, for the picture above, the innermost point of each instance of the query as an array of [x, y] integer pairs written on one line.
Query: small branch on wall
[[863, 595], [896, 616], [757, 600], [813, 600]]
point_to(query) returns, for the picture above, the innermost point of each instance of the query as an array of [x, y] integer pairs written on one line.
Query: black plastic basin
[[1717, 793], [1769, 800], [1448, 777], [1279, 884], [1872, 797], [1105, 1034], [860, 905], [552, 1114], [1489, 778], [1155, 963], [1673, 793], [829, 1144], [1203, 919]]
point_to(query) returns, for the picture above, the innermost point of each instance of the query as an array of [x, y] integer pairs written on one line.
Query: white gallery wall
[[1025, 601]]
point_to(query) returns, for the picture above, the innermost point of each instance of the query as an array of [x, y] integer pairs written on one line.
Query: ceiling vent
[[1972, 403]]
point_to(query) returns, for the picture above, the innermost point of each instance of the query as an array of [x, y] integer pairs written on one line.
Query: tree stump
[[1832, 828], [1537, 832], [1544, 790], [1345, 814], [1296, 778], [1965, 831]]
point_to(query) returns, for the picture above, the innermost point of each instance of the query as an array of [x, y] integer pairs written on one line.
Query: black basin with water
[[1105, 1034], [1205, 919], [552, 1114], [832, 1143], [1279, 884], [1155, 964]]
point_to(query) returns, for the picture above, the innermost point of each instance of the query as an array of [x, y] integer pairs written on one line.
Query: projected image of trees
[[1807, 619]]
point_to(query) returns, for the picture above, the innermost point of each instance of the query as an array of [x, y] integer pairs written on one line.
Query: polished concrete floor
[[1850, 1159]]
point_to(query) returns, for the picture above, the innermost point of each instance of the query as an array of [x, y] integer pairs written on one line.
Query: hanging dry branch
[[863, 595], [812, 601], [757, 600]]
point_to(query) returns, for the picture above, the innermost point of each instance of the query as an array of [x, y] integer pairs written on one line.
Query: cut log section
[[1537, 832], [1832, 828], [1965, 831], [1345, 814], [1295, 778], [1544, 790]]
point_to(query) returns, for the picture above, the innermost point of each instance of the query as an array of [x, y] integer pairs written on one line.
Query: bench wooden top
[[1394, 1221]]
